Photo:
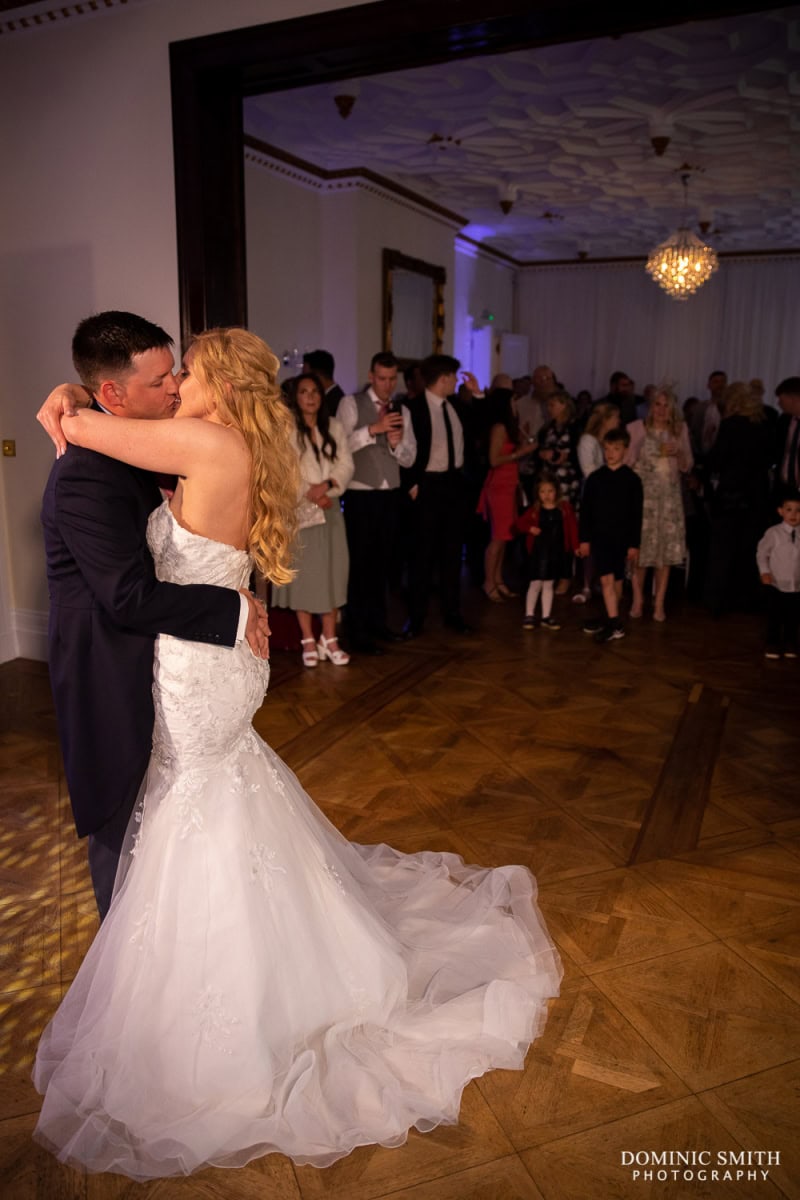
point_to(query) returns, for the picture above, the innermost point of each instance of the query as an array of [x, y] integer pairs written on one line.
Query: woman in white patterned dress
[[659, 453], [260, 984]]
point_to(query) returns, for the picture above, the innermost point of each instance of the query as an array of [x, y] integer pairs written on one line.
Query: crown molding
[[281, 162], [309, 175], [26, 18]]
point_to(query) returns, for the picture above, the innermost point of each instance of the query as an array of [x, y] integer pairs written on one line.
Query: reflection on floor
[[678, 1026]]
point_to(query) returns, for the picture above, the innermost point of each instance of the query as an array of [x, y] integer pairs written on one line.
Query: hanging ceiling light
[[682, 263]]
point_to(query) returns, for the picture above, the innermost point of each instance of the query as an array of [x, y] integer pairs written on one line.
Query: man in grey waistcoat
[[378, 434]]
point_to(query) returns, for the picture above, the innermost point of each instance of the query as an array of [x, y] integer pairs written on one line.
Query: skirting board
[[30, 632]]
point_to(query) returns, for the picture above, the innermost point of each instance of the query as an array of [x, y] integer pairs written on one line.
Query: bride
[[260, 984]]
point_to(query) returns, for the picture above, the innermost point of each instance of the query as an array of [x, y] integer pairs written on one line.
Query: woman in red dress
[[498, 499]]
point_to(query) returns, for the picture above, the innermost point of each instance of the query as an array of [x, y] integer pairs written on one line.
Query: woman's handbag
[[309, 513]]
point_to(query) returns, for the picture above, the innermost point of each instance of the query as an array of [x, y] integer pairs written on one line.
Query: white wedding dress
[[261, 984]]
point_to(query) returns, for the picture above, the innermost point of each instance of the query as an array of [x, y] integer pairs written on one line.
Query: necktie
[[793, 533], [448, 429], [791, 461]]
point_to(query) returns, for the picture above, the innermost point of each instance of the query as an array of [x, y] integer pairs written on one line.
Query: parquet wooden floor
[[678, 1025]]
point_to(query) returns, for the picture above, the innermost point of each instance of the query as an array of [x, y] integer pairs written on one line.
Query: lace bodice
[[184, 557], [205, 695]]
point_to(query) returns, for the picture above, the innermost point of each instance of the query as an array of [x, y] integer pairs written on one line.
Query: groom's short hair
[[106, 343]]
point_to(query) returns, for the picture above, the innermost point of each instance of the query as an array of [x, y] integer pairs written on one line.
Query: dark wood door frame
[[211, 75]]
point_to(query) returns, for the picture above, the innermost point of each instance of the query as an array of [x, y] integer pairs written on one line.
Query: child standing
[[551, 536], [611, 528], [778, 558]]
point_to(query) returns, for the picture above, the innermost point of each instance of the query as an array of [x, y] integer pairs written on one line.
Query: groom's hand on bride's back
[[63, 401], [257, 629]]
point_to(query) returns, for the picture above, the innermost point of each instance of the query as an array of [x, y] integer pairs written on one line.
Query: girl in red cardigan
[[552, 535]]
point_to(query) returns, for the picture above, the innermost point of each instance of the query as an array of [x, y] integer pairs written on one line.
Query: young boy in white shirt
[[778, 558]]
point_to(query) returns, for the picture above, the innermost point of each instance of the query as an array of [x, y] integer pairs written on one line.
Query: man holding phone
[[379, 438]]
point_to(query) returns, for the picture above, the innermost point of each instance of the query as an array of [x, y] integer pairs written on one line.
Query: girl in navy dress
[[551, 537]]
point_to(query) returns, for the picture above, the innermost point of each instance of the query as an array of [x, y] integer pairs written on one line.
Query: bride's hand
[[257, 630], [63, 401]]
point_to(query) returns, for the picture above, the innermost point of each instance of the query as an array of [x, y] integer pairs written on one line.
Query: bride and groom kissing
[[258, 983]]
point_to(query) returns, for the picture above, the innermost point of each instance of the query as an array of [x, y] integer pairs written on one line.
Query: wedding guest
[[443, 444], [531, 393], [610, 529], [707, 415], [583, 406], [590, 445], [321, 363], [786, 453], [622, 392], [551, 535], [660, 453], [498, 502], [602, 418], [558, 453], [778, 557], [738, 467], [320, 552], [378, 432]]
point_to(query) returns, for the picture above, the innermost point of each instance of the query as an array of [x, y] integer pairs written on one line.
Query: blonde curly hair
[[738, 400], [241, 372], [675, 419]]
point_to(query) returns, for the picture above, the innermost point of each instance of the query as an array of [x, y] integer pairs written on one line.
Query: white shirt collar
[[434, 399]]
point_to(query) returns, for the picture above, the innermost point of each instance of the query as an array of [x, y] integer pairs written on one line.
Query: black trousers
[[438, 543], [731, 581], [370, 518], [783, 613], [105, 846]]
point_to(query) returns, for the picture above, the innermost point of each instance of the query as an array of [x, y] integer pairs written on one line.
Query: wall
[[482, 285], [587, 321], [284, 273], [88, 222], [331, 267]]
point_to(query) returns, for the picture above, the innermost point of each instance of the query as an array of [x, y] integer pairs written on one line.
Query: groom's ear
[[110, 395]]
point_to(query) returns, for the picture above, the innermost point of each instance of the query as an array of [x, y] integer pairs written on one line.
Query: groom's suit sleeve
[[101, 527]]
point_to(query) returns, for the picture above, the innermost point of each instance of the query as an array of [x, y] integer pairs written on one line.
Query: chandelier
[[682, 263]]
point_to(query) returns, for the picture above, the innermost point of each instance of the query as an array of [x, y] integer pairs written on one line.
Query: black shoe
[[550, 623], [388, 635], [772, 652], [366, 647], [593, 626], [458, 625], [413, 629], [609, 633]]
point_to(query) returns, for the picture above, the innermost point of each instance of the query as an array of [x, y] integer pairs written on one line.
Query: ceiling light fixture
[[682, 263], [507, 194], [344, 105]]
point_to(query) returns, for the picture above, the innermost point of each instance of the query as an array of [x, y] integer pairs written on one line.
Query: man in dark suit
[[106, 605], [321, 364], [622, 393], [787, 436], [435, 482]]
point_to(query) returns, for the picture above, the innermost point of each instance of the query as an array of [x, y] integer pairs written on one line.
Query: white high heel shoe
[[310, 657], [338, 657]]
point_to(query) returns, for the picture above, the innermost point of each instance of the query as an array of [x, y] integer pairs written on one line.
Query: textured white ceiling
[[569, 128]]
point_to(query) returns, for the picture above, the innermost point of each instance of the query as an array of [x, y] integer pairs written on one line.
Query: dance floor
[[650, 785]]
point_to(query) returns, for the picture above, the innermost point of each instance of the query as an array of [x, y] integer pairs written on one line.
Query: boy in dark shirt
[[610, 528]]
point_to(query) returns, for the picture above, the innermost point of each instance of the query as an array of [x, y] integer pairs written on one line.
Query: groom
[[106, 605]]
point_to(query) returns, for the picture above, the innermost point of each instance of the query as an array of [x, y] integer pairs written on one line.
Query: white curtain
[[586, 321]]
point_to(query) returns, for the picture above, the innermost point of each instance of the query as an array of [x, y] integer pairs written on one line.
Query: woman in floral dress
[[659, 452]]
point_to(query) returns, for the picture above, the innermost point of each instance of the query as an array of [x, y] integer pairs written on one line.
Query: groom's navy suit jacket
[[106, 608]]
